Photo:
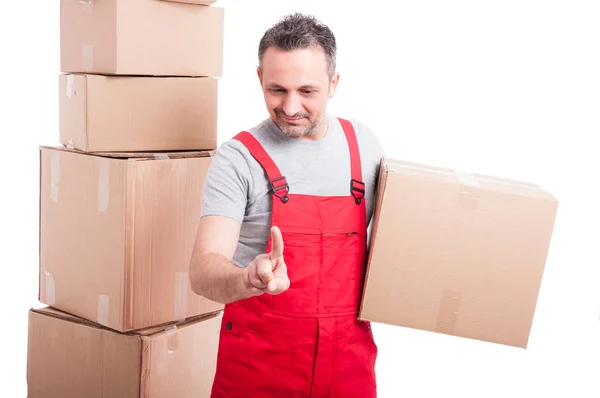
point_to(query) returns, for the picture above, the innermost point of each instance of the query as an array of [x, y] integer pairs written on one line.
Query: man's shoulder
[[362, 128], [366, 137], [233, 144]]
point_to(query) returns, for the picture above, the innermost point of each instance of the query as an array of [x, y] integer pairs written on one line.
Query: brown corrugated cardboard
[[117, 234], [71, 357], [142, 37], [457, 253], [134, 113]]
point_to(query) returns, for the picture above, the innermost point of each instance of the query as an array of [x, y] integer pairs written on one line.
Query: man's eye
[[307, 91]]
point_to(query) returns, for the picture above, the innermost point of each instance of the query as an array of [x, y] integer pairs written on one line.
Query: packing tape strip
[[87, 5], [468, 196], [448, 312], [467, 179], [50, 289], [103, 309], [70, 85], [145, 370], [87, 52], [54, 175], [103, 185], [161, 156], [172, 339], [182, 286]]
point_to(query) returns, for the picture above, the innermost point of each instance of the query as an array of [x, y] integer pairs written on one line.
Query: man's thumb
[[276, 243]]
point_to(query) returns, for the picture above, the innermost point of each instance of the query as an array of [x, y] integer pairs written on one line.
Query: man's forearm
[[218, 279]]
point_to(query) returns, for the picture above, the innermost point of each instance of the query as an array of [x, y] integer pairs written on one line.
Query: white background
[[507, 88]]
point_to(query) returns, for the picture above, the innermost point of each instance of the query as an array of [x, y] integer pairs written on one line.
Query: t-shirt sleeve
[[371, 154], [370, 146], [226, 187]]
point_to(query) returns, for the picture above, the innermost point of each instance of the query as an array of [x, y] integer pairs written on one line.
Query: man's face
[[296, 87]]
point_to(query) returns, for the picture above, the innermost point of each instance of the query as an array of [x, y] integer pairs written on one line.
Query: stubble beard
[[311, 129]]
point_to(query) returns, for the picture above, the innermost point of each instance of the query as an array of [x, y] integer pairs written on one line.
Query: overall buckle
[[283, 196], [357, 189]]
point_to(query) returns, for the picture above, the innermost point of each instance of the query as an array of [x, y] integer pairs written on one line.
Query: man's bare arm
[[212, 273]]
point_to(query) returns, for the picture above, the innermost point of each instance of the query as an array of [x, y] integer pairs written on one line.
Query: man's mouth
[[292, 119]]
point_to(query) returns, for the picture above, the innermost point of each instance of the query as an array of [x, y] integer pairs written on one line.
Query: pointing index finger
[[276, 243]]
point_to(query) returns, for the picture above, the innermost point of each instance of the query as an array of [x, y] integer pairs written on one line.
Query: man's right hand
[[267, 273]]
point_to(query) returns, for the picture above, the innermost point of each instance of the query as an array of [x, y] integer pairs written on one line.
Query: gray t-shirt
[[236, 185]]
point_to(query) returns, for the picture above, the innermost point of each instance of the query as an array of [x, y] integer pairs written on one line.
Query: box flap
[[472, 180], [53, 312], [159, 155], [167, 327], [155, 155], [146, 332]]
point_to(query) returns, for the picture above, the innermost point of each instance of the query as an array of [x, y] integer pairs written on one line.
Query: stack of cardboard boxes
[[120, 203]]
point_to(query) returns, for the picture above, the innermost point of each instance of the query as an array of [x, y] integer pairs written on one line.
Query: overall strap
[[278, 182], [357, 186]]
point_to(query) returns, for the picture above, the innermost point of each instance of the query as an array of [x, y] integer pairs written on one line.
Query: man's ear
[[259, 73], [333, 84]]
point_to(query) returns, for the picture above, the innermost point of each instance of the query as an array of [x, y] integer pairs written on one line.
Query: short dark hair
[[296, 31]]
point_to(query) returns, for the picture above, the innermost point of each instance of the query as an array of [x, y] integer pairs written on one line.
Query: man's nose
[[291, 105]]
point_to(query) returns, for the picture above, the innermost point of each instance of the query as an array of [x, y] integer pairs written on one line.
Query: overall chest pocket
[[325, 270]]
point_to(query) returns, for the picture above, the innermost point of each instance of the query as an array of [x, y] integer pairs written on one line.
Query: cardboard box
[[100, 113], [141, 37], [457, 253], [117, 234], [70, 357]]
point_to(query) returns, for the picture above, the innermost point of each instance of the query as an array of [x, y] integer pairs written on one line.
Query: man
[[283, 235]]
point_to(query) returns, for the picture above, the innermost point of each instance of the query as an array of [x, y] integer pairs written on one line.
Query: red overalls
[[306, 341]]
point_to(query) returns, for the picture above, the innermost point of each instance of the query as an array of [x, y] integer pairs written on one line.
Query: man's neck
[[319, 132]]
